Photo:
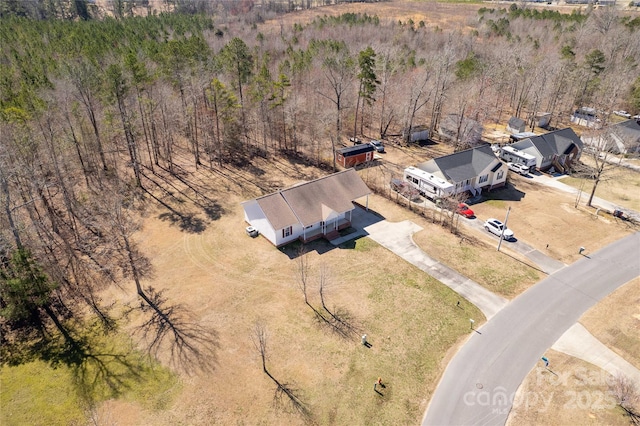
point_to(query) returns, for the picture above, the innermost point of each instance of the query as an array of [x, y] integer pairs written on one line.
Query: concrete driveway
[[396, 237]]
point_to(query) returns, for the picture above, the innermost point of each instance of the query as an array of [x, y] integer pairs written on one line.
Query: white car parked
[[622, 113], [496, 227], [518, 168]]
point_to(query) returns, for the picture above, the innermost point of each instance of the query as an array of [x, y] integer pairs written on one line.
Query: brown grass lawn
[[616, 321], [619, 185], [579, 394], [540, 216], [505, 274], [229, 281]]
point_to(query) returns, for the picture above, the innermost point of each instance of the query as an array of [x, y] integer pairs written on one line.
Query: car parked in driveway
[[377, 145], [496, 227], [518, 168], [464, 210]]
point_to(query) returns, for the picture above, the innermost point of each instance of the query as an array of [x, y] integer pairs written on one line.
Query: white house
[[308, 211], [472, 170]]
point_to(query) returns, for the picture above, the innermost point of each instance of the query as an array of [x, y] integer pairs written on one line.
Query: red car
[[464, 210]]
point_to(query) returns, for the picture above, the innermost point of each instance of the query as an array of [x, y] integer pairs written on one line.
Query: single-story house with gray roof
[[557, 149], [308, 211], [619, 138], [471, 170]]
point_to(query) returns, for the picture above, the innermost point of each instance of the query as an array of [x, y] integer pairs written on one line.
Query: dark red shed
[[354, 155]]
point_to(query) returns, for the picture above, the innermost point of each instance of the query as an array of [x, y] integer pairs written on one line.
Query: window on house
[[500, 174], [287, 231], [484, 178]]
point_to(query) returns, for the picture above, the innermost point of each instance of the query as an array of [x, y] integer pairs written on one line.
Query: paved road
[[478, 386], [547, 264]]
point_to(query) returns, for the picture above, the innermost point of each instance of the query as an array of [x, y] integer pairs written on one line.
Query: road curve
[[479, 384]]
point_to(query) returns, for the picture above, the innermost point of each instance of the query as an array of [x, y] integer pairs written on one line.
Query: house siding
[[254, 215], [329, 199]]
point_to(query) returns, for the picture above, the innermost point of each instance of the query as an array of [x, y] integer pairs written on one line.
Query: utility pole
[[504, 227], [579, 194]]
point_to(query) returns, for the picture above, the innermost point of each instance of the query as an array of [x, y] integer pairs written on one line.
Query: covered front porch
[[329, 231]]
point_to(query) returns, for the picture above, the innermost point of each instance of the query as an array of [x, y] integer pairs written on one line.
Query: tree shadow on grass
[[286, 396], [102, 364], [212, 209], [187, 222], [172, 330]]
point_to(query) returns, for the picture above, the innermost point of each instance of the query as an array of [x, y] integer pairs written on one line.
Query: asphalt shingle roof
[[356, 149], [314, 201], [557, 142], [462, 165], [516, 123], [277, 211], [629, 130]]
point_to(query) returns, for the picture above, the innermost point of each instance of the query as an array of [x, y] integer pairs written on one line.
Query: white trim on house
[[308, 210], [470, 170]]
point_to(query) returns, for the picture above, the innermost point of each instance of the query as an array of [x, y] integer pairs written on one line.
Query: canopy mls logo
[[578, 389]]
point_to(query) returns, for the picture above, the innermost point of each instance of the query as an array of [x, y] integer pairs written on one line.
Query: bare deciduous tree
[[302, 264], [627, 396], [259, 338]]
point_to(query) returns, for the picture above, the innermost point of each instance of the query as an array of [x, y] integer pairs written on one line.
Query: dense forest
[[94, 105]]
